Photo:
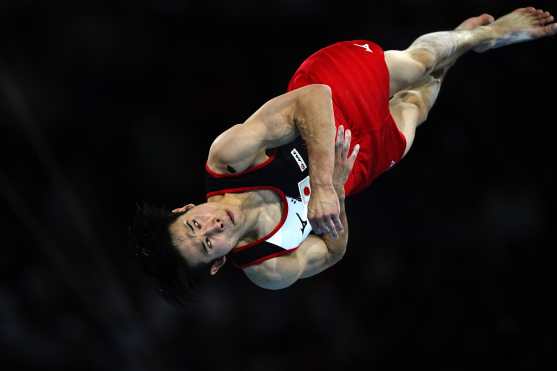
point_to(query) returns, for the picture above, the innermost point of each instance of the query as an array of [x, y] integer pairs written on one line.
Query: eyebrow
[[189, 231], [203, 249]]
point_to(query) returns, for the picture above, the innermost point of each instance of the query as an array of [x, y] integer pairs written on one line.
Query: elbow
[[274, 285], [337, 248], [337, 255], [322, 89], [314, 93], [314, 98], [273, 279]]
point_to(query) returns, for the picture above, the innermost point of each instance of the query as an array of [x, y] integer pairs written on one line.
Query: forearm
[[337, 247], [316, 125]]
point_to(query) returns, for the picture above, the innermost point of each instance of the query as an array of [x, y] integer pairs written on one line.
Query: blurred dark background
[[103, 106]]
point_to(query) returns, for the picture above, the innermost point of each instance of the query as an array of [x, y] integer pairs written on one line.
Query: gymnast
[[277, 183]]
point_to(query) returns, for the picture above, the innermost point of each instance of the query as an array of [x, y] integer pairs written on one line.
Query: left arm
[[316, 123], [313, 256], [316, 253]]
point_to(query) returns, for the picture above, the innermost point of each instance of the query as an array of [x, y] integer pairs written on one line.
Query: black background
[[448, 265]]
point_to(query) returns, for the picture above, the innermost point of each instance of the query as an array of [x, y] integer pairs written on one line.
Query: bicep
[[314, 256], [311, 258], [272, 125]]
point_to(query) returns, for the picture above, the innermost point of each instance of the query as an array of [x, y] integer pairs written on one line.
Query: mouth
[[231, 216]]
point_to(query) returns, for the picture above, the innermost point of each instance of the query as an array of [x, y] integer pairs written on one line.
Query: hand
[[343, 162], [324, 210]]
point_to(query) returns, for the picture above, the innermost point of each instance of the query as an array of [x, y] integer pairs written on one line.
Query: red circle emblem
[[307, 191]]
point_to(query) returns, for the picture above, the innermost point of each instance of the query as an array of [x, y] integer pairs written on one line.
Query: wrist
[[321, 184], [340, 192]]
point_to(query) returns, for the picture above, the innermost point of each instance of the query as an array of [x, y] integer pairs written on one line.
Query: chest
[[271, 210], [282, 220]]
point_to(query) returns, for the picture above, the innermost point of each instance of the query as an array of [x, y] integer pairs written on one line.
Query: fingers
[[315, 228], [339, 143], [347, 139], [319, 227], [331, 225], [342, 143], [340, 135], [332, 228], [342, 146], [353, 155], [338, 226], [327, 224]]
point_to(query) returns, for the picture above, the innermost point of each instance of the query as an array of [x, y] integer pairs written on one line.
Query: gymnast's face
[[205, 233]]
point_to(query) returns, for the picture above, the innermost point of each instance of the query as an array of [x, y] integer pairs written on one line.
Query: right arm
[[313, 256]]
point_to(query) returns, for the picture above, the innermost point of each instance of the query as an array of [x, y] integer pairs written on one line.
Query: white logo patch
[[298, 159], [366, 47], [305, 190], [296, 227]]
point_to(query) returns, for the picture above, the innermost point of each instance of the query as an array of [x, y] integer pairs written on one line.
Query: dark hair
[[150, 238]]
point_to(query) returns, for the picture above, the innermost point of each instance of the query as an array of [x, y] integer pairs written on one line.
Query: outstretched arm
[[307, 111]]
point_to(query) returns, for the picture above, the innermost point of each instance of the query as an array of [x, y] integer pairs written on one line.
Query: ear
[[183, 209], [217, 265]]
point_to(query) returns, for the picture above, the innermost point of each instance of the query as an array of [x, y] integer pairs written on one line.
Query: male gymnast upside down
[[277, 183]]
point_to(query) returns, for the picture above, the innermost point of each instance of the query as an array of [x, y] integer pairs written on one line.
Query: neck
[[247, 209]]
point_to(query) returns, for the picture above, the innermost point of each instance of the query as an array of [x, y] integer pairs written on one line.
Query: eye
[[208, 242], [196, 224]]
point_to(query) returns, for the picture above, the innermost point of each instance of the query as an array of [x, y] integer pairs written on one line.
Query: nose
[[215, 225]]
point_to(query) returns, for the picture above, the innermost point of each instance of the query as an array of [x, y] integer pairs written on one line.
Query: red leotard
[[358, 76]]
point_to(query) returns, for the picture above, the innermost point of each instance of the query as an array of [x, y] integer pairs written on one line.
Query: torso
[[275, 181], [268, 201]]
